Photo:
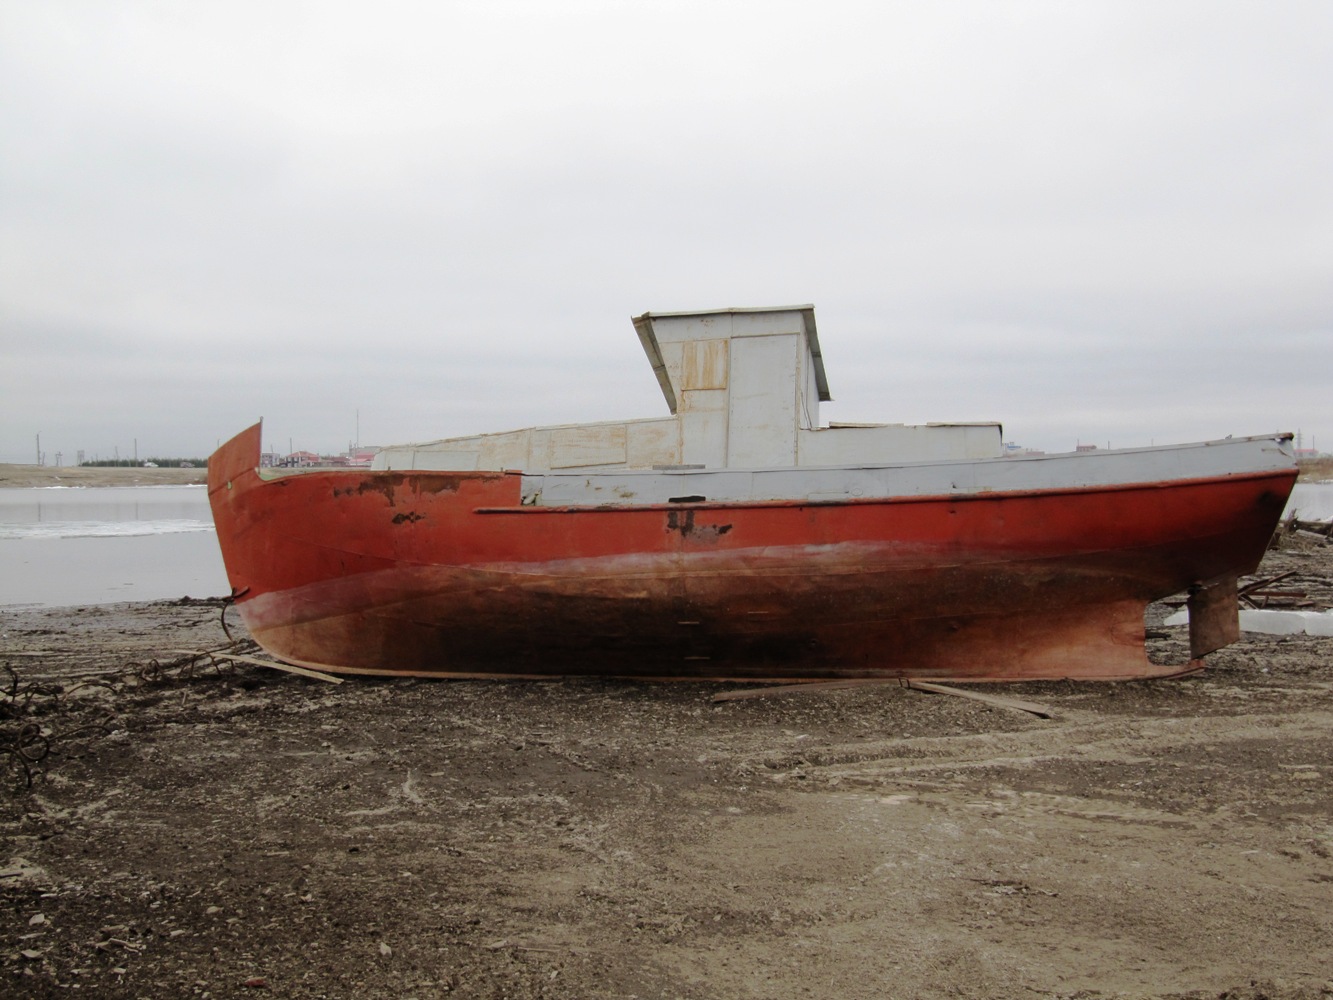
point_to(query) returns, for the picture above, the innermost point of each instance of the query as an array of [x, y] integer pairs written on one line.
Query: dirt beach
[[219, 829], [12, 476]]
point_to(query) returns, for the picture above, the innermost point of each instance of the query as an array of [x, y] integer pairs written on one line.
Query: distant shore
[[17, 476], [1316, 470]]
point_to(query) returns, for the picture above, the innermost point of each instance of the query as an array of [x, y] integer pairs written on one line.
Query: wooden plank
[[1041, 711], [994, 700], [1267, 581], [275, 664]]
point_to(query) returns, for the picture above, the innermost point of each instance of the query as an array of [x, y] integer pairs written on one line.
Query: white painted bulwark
[[1073, 471], [743, 387], [591, 444], [898, 443]]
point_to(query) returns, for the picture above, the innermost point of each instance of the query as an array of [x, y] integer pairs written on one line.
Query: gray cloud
[[1096, 221]]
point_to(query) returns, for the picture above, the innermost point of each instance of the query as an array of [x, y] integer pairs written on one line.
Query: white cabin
[[743, 387]]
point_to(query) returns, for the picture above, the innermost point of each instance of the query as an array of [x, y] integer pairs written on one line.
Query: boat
[[738, 539]]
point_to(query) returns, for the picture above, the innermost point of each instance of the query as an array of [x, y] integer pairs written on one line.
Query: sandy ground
[[205, 829], [49, 475]]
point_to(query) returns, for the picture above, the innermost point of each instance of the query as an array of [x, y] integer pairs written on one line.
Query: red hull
[[448, 574]]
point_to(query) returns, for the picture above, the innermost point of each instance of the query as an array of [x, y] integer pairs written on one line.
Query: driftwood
[[1324, 528], [1266, 582], [289, 668], [1292, 525], [276, 665], [1040, 711], [1261, 594]]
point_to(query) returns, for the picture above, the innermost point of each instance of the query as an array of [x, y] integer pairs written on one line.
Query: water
[[69, 546], [107, 512], [1312, 501]]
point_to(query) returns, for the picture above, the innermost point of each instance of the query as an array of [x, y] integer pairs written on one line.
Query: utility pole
[[39, 449]]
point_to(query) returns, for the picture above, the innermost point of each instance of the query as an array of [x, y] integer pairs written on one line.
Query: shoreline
[[36, 476]]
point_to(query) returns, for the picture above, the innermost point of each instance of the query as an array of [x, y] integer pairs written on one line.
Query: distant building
[[362, 457]]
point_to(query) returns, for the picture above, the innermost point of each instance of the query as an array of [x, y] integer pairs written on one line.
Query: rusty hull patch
[[388, 484], [683, 522]]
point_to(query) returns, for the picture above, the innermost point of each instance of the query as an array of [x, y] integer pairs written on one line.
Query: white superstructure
[[743, 387]]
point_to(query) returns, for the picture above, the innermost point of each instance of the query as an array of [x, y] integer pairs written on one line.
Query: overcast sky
[[1094, 222]]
